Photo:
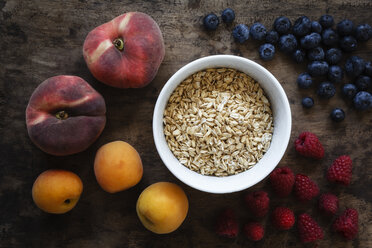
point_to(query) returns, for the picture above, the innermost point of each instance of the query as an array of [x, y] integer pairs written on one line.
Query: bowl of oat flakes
[[222, 123]]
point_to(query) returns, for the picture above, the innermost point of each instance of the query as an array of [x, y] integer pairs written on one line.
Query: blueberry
[[337, 115], [228, 15], [287, 43], [258, 31], [329, 37], [368, 69], [282, 25], [345, 27], [333, 56], [311, 40], [363, 100], [272, 37], [316, 27], [299, 55], [267, 51], [304, 80], [363, 32], [307, 102], [363, 82], [302, 26], [241, 33], [349, 90], [316, 53], [211, 21], [326, 90], [354, 66], [335, 74], [326, 21], [348, 44], [318, 68]]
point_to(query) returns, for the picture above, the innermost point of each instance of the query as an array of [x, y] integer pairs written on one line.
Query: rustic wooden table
[[40, 39]]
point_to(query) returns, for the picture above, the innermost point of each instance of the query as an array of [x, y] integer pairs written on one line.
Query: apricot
[[117, 166], [57, 191], [162, 207]]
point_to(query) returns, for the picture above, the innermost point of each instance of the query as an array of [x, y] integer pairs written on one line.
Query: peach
[[117, 166], [57, 191], [125, 52], [162, 207], [65, 115]]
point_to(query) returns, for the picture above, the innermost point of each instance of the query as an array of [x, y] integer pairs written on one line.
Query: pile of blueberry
[[318, 43]]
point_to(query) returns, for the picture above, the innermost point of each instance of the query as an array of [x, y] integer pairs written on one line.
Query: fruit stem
[[62, 115], [67, 201], [119, 44]]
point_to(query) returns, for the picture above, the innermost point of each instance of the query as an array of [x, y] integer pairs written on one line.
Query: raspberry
[[328, 203], [308, 229], [227, 224], [282, 180], [340, 170], [304, 188], [254, 231], [347, 223], [283, 218], [308, 145], [258, 203]]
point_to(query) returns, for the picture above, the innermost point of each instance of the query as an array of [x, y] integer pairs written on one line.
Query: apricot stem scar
[[67, 201], [62, 115], [119, 44]]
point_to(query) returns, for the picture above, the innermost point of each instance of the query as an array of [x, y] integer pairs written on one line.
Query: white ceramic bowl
[[280, 138]]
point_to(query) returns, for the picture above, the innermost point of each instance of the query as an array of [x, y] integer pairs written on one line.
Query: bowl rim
[[186, 175]]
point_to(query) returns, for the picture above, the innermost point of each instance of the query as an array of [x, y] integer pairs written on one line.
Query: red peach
[[65, 115], [125, 52]]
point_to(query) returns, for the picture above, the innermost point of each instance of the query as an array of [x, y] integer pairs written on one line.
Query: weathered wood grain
[[40, 39]]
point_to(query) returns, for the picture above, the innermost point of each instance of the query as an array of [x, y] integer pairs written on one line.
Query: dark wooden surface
[[40, 39]]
